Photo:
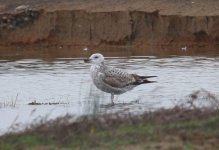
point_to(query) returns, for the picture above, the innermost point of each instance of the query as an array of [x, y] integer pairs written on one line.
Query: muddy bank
[[117, 32]]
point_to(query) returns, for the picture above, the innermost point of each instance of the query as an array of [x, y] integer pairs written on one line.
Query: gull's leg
[[112, 98]]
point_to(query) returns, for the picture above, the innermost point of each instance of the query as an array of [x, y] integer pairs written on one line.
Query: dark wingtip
[[148, 76], [143, 82], [137, 77], [146, 81], [152, 82]]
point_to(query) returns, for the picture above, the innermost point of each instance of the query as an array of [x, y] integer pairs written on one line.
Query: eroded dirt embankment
[[124, 32]]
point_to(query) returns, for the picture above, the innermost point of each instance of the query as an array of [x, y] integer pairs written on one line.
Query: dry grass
[[184, 127], [162, 129], [12, 103]]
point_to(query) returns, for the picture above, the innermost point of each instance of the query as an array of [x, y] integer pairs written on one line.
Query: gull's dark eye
[[96, 57]]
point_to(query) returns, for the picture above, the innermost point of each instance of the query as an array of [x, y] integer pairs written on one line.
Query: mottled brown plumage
[[113, 80]]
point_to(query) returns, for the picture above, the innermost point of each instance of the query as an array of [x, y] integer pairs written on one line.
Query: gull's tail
[[142, 79]]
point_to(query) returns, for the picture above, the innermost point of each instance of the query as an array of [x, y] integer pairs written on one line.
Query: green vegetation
[[173, 129]]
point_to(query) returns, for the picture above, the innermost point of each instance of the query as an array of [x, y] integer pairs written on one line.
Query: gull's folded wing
[[117, 78]]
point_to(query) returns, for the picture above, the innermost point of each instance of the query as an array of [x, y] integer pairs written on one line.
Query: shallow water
[[67, 81]]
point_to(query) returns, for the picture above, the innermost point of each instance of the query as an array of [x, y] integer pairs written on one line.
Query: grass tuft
[[163, 129]]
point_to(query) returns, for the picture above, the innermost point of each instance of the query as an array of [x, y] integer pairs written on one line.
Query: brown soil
[[165, 7], [114, 27]]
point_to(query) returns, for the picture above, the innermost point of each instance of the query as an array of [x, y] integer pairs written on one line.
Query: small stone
[[26, 19], [11, 26], [4, 17], [22, 8]]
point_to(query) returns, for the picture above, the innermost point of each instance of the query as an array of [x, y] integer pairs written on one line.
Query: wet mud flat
[[166, 129]]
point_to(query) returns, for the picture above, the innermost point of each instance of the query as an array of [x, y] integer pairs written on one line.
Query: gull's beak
[[87, 60]]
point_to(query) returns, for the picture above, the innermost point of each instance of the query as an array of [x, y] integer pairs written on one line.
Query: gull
[[85, 49], [113, 80], [184, 48]]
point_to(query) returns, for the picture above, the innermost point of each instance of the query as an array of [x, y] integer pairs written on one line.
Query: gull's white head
[[96, 58]]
